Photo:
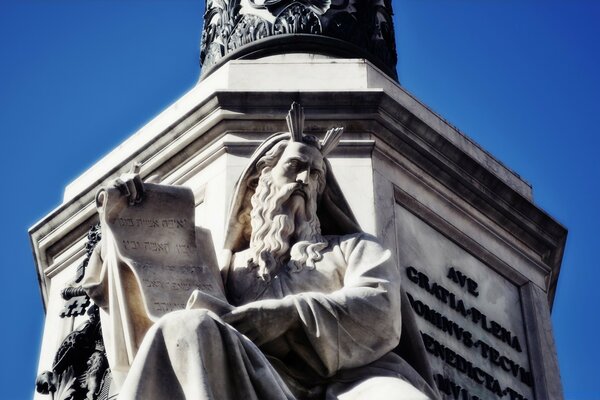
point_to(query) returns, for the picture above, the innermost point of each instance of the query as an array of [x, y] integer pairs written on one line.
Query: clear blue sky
[[520, 77]]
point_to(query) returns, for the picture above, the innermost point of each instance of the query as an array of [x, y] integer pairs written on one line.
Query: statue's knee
[[186, 320]]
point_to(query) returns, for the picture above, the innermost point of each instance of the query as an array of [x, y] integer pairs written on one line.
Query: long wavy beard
[[274, 227]]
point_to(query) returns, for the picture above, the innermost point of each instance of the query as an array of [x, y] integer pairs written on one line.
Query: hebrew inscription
[[157, 240]]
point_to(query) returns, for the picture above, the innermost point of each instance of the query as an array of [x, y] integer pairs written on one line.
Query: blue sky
[[519, 77]]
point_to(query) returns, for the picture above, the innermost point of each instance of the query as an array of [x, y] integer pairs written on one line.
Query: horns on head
[[295, 122], [332, 138]]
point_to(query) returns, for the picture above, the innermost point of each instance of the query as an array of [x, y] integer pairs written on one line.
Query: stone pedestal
[[479, 259]]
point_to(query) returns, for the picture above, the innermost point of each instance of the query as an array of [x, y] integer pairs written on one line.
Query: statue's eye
[[292, 164], [315, 173]]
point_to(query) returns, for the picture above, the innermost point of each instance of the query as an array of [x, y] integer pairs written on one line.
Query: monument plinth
[[477, 260]]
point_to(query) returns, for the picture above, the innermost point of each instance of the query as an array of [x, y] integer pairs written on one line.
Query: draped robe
[[349, 324]]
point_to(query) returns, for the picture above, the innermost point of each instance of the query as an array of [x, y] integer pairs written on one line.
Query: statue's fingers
[[120, 184], [139, 188], [132, 191]]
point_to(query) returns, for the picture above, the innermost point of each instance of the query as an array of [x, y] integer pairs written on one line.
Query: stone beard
[[285, 227]]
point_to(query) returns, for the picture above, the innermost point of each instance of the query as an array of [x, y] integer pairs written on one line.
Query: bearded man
[[317, 303]]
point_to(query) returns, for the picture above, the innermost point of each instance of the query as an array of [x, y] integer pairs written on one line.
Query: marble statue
[[315, 305]]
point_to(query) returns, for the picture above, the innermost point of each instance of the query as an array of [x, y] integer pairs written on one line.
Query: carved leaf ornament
[[66, 390], [297, 19], [366, 24]]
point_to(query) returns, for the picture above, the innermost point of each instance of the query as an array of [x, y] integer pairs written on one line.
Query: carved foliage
[[365, 23], [80, 368], [220, 20], [247, 30], [298, 18]]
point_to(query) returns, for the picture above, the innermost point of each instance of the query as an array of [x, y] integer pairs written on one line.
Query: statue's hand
[[264, 320], [131, 185]]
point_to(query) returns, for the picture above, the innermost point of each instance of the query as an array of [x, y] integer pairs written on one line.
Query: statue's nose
[[302, 176]]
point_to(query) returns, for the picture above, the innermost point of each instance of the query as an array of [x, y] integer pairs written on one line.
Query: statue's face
[[301, 164], [284, 208]]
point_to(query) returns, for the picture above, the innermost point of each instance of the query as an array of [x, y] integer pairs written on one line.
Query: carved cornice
[[394, 118], [236, 29]]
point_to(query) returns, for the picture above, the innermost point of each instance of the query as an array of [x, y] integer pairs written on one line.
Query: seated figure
[[317, 310]]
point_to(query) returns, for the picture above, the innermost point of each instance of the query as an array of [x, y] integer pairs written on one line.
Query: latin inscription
[[495, 345], [463, 281], [458, 305]]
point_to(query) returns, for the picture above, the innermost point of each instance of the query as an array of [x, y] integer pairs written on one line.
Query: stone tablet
[[157, 239]]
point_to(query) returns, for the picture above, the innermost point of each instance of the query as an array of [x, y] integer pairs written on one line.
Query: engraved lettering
[[465, 367], [477, 317], [449, 387], [463, 280]]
